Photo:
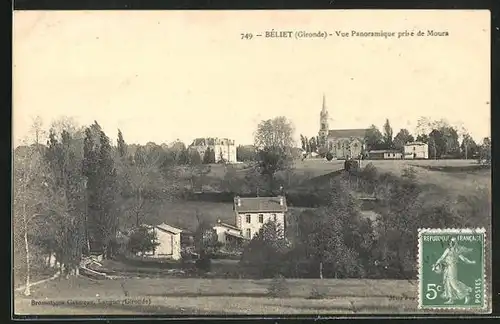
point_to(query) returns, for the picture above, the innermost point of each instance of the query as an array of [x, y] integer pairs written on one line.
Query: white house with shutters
[[250, 214]]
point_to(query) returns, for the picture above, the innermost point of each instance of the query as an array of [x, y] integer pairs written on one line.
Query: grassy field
[[311, 168], [217, 296]]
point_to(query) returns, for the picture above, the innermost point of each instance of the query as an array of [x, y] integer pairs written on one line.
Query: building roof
[[384, 151], [167, 228], [414, 143], [260, 204], [237, 235], [219, 223], [346, 133]]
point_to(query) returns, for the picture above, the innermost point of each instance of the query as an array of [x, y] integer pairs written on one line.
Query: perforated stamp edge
[[422, 231]]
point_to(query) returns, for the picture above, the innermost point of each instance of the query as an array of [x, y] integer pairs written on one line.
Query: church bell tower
[[323, 124]]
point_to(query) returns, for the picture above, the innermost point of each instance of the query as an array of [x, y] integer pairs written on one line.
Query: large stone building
[[342, 143], [223, 148]]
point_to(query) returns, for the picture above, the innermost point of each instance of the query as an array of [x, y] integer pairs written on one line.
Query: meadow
[[134, 296], [219, 296]]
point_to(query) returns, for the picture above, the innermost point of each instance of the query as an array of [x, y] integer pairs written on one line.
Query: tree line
[[444, 140]]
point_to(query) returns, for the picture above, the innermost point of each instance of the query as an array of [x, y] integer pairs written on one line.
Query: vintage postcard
[[314, 162]]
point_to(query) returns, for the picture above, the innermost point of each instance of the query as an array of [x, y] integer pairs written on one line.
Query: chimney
[[282, 201], [237, 200]]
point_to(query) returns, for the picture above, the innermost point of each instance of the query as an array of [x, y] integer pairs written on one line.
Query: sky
[[161, 76]]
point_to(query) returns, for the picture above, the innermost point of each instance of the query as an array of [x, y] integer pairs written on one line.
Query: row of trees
[[73, 194], [443, 140]]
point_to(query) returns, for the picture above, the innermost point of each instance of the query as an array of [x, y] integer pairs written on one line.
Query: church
[[342, 143]]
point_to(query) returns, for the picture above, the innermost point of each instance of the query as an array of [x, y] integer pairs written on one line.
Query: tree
[[332, 235], [29, 201], [276, 132], [122, 147], [205, 243], [388, 140], [485, 151], [37, 130], [143, 240], [437, 144], [468, 147], [209, 156], [246, 153], [423, 138], [142, 176], [69, 217], [373, 138], [265, 252], [313, 147], [402, 138], [98, 167], [274, 141], [303, 141], [451, 144], [272, 160]]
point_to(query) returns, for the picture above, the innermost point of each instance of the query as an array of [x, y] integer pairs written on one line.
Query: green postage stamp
[[452, 269]]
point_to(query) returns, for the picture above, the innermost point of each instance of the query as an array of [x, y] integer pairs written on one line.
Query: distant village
[[250, 213]]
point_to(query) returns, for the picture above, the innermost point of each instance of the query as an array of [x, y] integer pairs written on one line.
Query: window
[[249, 218], [249, 233], [355, 145], [261, 218], [338, 145], [274, 217], [414, 148]]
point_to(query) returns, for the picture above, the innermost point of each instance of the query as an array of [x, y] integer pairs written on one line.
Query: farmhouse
[[416, 150], [342, 143], [169, 239], [222, 148], [252, 213], [385, 155]]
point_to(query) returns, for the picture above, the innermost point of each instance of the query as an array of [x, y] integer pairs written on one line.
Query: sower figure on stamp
[[453, 288]]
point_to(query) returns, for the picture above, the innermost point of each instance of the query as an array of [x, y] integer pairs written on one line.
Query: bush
[[142, 240], [204, 264], [278, 288], [317, 293], [329, 156]]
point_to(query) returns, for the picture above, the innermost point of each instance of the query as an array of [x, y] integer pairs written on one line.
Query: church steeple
[[323, 123], [323, 110]]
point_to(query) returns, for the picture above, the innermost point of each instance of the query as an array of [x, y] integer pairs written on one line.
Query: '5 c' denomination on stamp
[[451, 269]]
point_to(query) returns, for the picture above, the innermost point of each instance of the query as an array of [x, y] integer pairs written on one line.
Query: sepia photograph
[[251, 162]]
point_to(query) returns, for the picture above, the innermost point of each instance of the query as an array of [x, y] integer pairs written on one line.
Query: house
[[169, 239], [416, 150], [385, 155], [341, 143], [224, 149], [252, 213], [228, 234]]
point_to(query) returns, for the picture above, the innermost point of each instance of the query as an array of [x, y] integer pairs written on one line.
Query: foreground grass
[[217, 296]]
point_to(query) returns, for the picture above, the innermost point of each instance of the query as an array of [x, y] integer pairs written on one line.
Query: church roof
[[345, 133]]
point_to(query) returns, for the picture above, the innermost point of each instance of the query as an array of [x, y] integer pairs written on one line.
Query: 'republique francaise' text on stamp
[[452, 269]]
